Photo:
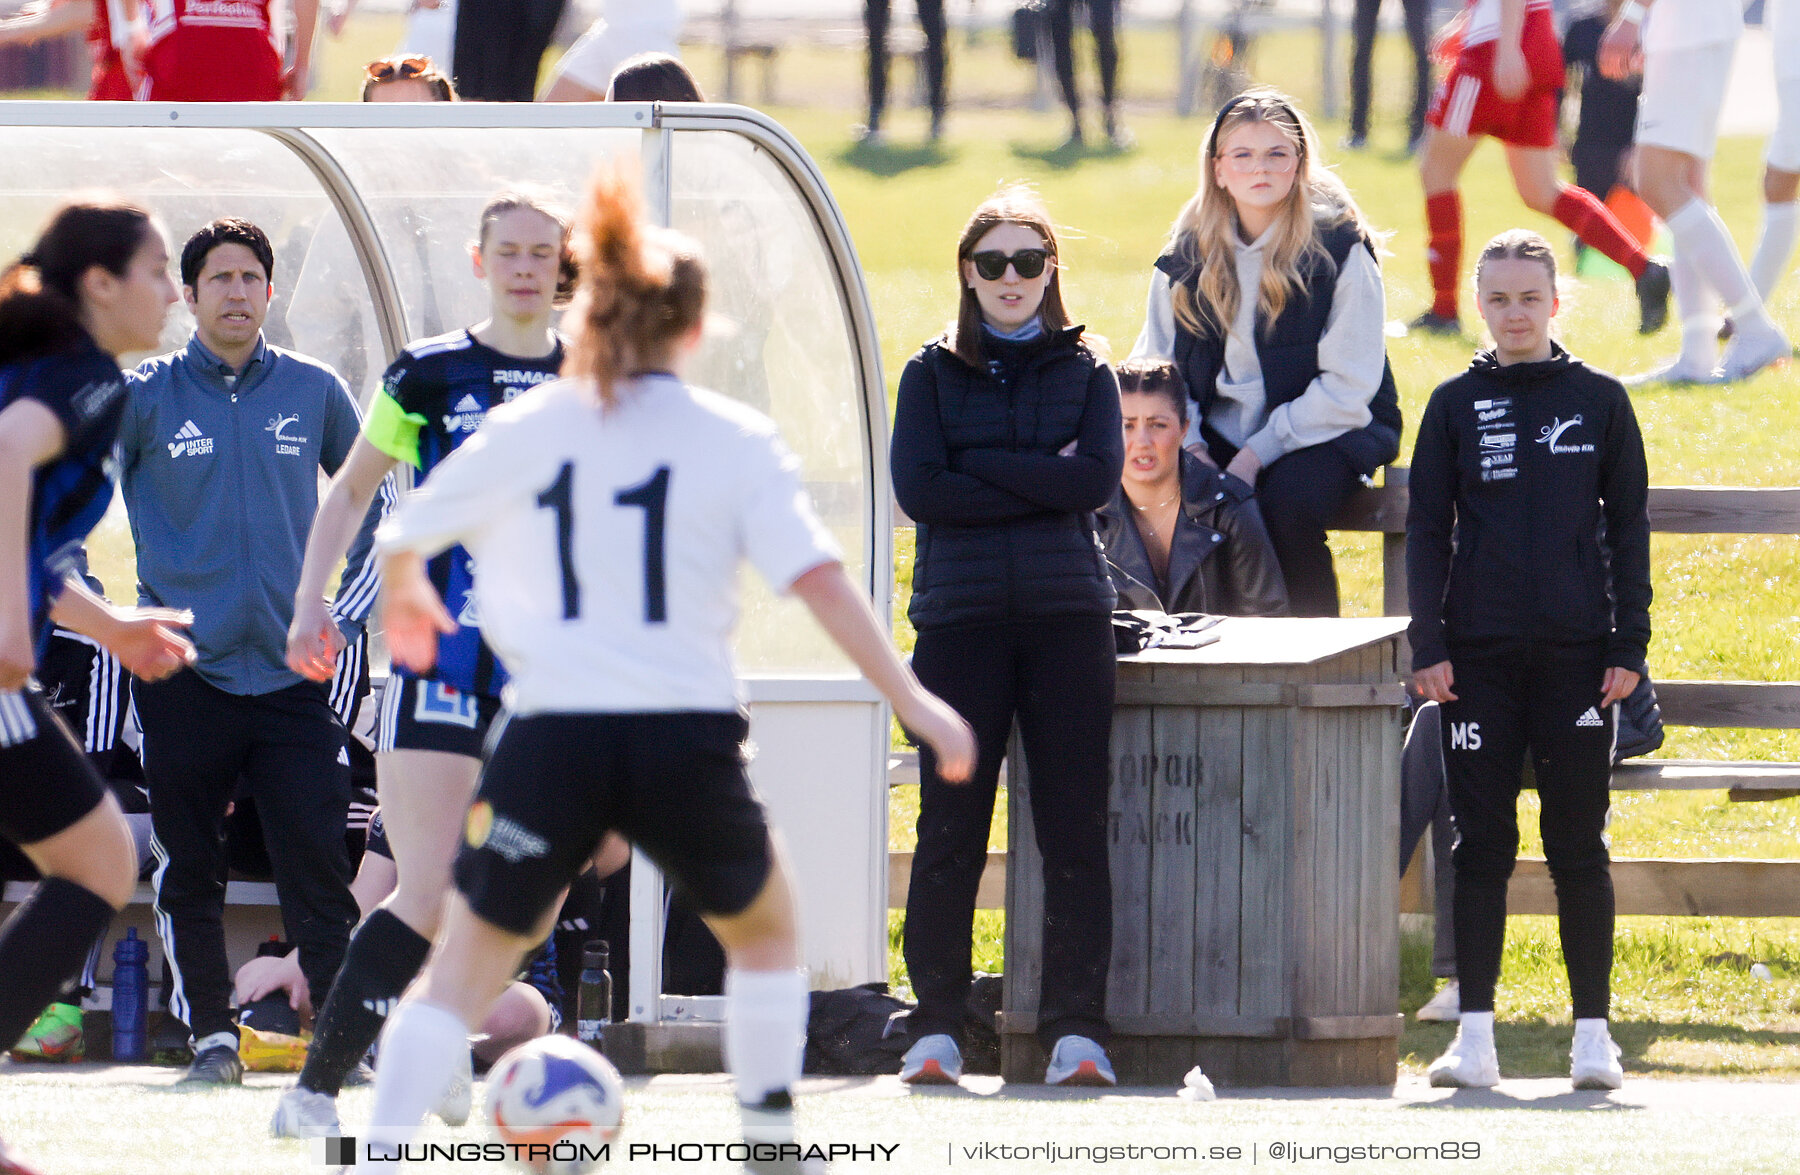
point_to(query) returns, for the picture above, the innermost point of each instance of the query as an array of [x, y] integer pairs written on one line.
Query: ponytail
[[642, 287], [40, 293]]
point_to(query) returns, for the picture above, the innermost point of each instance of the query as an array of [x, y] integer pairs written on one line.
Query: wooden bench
[[1713, 887]]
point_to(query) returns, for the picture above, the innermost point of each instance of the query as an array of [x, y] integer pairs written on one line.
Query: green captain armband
[[393, 429]]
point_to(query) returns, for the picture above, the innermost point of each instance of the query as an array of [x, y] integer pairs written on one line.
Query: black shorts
[[674, 785], [46, 780], [418, 714]]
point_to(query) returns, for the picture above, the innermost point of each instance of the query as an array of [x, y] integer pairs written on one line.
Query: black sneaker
[[1435, 324], [1653, 298], [218, 1065]]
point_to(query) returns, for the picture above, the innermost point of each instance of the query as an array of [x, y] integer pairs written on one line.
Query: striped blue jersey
[[432, 399], [86, 391]]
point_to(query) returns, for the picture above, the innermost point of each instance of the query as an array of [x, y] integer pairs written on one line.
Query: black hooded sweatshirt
[[1528, 524]]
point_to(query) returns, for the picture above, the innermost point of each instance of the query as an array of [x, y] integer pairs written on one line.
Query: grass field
[[1687, 1005]]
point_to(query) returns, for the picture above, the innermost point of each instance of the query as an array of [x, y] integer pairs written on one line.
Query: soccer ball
[[560, 1098]]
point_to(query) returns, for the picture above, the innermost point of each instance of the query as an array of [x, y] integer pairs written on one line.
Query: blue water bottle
[[130, 996]]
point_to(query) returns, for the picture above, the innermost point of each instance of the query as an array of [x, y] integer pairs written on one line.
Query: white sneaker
[[459, 1097], [935, 1060], [1678, 372], [305, 1113], [1594, 1059], [1748, 354], [1444, 1007], [1467, 1064]]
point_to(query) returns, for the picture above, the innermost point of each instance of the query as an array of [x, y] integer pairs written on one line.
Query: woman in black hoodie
[[1528, 572], [1006, 440]]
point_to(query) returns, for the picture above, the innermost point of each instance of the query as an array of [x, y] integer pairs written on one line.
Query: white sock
[[1476, 1025], [1699, 325], [765, 1037], [228, 1039], [1698, 231], [420, 1045], [1593, 1026], [1774, 247]]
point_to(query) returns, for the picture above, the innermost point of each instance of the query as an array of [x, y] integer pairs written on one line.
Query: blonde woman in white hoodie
[[1268, 297]]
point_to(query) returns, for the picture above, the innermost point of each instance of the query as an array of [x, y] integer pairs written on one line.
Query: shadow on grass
[[1067, 155], [888, 159], [1538, 1049]]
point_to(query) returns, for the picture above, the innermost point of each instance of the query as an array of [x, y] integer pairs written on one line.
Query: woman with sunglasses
[[1006, 440], [429, 738], [1291, 385], [406, 78]]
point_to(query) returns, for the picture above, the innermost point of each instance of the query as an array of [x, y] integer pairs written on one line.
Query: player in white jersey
[[433, 725], [1684, 49], [607, 515], [1781, 174]]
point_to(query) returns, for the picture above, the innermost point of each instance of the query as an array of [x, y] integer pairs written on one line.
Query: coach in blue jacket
[[221, 446]]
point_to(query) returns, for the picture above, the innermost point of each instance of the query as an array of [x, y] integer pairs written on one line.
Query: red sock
[[1598, 228], [1443, 249]]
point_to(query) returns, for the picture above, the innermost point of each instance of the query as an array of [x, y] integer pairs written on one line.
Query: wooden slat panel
[[1251, 1027], [1348, 1027], [1173, 905], [1268, 936], [1673, 510], [1735, 888], [1389, 693], [1704, 774], [1209, 692], [1218, 850], [1762, 705], [1136, 771]]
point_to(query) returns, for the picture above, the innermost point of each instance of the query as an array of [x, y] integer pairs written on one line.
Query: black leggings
[[499, 46], [1102, 18], [1418, 34], [931, 20], [1055, 676], [1300, 494], [1547, 699]]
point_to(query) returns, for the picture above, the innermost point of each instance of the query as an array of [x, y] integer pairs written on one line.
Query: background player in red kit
[[224, 51], [1506, 83], [109, 35]]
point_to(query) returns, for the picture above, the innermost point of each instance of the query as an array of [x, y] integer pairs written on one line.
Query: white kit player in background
[[1781, 174], [1684, 48], [607, 515]]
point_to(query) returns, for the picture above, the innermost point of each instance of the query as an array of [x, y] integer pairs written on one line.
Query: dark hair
[[1013, 204], [568, 273], [1518, 244], [40, 293], [653, 77], [642, 287], [227, 230], [406, 67], [1155, 377]]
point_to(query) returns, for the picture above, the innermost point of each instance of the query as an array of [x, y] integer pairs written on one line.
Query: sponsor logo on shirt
[[518, 382], [286, 442], [1493, 459], [466, 416], [189, 441], [1550, 434], [1498, 442], [1506, 474], [93, 398], [1490, 414], [511, 840]]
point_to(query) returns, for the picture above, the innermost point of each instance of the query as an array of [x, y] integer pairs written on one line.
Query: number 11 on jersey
[[652, 497]]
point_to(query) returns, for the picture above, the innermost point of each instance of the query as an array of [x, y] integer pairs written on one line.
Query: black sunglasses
[[1027, 263]]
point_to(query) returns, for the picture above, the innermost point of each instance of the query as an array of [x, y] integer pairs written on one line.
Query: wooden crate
[[1255, 873]]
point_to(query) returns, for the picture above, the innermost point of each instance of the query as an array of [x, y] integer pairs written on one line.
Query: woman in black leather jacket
[[1006, 439], [1180, 535]]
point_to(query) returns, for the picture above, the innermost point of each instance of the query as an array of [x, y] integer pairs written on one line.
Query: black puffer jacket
[[1001, 469], [1220, 558], [1515, 472]]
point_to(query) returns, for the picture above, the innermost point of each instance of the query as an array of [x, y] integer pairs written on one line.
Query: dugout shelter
[[371, 209]]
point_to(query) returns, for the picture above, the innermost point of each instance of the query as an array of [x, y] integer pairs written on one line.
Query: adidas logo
[[343, 756], [1591, 718], [191, 441], [466, 416], [383, 1008]]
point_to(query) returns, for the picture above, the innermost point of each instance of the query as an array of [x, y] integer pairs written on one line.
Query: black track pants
[[1546, 699]]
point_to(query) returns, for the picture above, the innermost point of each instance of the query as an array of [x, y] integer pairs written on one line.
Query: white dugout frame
[[822, 737]]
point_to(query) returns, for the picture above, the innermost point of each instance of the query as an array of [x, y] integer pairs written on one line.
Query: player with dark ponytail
[[96, 285]]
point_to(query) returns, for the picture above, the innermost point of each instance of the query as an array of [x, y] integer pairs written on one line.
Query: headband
[[1212, 136]]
